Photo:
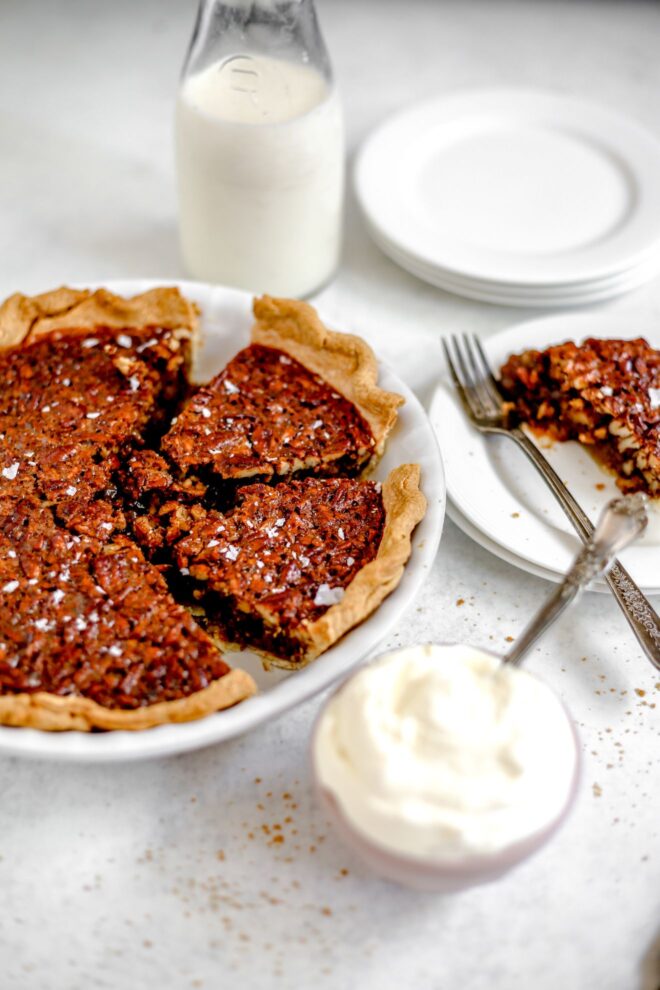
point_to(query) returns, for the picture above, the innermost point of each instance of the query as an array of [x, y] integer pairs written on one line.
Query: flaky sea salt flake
[[325, 595]]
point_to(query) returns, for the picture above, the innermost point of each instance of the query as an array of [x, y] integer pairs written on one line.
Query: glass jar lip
[[294, 28]]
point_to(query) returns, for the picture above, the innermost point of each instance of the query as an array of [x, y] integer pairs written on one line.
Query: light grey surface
[[166, 874]]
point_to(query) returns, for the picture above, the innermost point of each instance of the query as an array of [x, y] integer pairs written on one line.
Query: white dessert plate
[[513, 187], [501, 494], [225, 322]]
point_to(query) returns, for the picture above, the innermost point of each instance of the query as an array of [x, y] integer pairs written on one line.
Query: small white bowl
[[433, 874]]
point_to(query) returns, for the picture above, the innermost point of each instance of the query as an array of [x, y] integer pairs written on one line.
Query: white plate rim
[[533, 541], [624, 139], [354, 648], [529, 300], [630, 276], [554, 577]]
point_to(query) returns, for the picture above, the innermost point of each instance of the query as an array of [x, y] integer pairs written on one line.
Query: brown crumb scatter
[[597, 789], [515, 515], [220, 855], [326, 911], [640, 692], [460, 601], [509, 639], [599, 486]]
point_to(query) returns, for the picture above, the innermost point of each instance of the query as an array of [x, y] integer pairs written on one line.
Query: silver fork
[[482, 400]]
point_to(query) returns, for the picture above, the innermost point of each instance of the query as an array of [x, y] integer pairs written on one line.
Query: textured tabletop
[[217, 868]]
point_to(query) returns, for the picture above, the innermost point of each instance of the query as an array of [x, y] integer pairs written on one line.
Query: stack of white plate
[[515, 197]]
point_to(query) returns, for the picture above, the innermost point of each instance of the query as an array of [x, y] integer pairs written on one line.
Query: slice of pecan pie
[[299, 400], [604, 394], [294, 566], [90, 637]]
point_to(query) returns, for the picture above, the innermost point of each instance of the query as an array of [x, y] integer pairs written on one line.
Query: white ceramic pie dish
[[225, 324]]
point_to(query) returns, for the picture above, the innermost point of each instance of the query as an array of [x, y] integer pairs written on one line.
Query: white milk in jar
[[260, 161]]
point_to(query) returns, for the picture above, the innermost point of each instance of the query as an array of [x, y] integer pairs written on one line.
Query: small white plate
[[226, 321], [501, 494], [514, 187]]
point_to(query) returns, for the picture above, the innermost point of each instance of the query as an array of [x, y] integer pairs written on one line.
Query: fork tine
[[461, 378], [480, 379], [470, 385], [458, 384], [491, 381]]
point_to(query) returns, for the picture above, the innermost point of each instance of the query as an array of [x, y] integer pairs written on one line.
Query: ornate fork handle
[[642, 618], [622, 520]]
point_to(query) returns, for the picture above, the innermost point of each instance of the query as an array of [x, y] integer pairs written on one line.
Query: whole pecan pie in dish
[[604, 394], [145, 521]]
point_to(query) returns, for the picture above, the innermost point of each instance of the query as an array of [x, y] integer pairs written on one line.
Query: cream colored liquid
[[260, 161]]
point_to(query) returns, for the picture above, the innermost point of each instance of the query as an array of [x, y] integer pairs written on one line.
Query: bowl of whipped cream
[[444, 767]]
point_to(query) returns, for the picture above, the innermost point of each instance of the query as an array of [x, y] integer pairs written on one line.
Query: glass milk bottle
[[260, 149]]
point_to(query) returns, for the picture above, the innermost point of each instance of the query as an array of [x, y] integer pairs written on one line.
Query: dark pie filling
[[94, 619], [604, 394], [72, 407], [277, 561], [267, 416], [83, 610]]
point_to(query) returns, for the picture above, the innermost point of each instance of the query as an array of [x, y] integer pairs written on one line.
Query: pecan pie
[[604, 394], [292, 567], [299, 399], [90, 636], [131, 501]]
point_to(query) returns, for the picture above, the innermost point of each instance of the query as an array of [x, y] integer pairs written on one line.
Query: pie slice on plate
[[300, 399], [294, 566], [603, 393]]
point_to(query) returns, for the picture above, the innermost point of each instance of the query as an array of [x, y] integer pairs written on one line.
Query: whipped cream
[[443, 752]]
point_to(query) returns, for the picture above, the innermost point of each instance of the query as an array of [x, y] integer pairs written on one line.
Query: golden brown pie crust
[[25, 318], [346, 362], [56, 713]]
